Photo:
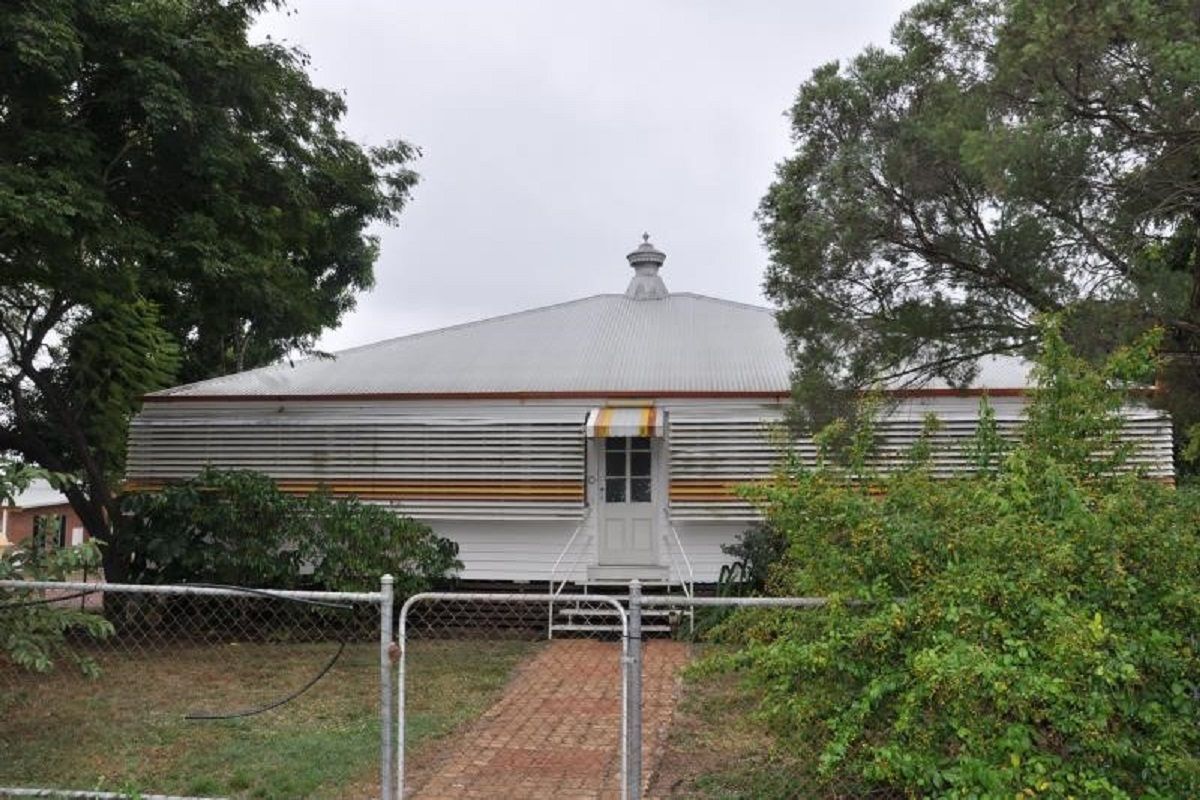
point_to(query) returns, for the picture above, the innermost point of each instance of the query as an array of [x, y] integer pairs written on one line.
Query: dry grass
[[126, 730], [718, 749]]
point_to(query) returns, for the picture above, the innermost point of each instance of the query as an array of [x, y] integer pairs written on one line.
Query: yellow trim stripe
[[604, 422], [707, 490]]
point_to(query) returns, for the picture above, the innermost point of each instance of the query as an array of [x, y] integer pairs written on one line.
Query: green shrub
[[353, 543], [238, 528], [756, 550], [1027, 630]]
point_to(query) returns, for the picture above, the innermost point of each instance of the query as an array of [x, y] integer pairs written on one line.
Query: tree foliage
[[238, 528], [1003, 159], [1025, 630], [176, 203], [33, 632]]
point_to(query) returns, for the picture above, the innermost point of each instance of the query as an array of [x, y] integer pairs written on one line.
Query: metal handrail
[[557, 563], [689, 586], [674, 563], [566, 549]]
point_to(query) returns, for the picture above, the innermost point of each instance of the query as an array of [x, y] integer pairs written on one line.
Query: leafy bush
[[756, 550], [33, 632], [353, 543], [237, 527], [1027, 630]]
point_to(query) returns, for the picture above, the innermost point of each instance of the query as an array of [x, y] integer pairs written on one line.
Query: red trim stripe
[[597, 394]]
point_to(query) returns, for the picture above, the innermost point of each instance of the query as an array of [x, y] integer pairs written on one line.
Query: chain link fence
[[587, 696], [193, 691]]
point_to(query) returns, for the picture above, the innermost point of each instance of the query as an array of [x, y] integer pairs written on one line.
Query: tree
[[1004, 159], [176, 203]]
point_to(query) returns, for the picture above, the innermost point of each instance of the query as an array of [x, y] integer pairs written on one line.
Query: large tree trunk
[[97, 510]]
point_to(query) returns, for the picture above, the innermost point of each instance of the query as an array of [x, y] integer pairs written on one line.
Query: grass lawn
[[125, 730]]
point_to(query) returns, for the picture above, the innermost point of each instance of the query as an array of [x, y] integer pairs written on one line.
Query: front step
[[623, 574], [608, 628], [572, 618]]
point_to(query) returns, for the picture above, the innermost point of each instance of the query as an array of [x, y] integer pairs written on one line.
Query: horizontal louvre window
[[709, 457], [429, 468]]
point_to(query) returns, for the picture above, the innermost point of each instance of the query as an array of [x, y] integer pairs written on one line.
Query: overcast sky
[[554, 133]]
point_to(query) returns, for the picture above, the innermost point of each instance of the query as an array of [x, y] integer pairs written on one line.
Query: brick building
[[40, 507]]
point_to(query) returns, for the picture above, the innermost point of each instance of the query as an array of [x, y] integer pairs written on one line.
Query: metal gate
[[559, 713]]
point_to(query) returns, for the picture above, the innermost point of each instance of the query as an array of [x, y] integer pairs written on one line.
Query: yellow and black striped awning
[[647, 421]]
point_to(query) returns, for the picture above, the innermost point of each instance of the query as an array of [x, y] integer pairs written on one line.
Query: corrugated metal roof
[[39, 494], [601, 344], [605, 343], [994, 372]]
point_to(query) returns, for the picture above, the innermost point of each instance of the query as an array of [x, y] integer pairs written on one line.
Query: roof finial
[[646, 260]]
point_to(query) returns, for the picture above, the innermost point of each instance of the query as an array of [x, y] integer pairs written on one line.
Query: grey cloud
[[555, 132]]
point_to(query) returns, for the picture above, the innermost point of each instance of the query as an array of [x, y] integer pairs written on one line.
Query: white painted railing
[[687, 576], [574, 563]]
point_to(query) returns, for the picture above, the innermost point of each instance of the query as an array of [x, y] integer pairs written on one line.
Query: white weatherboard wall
[[505, 550], [366, 441], [512, 551], [384, 446]]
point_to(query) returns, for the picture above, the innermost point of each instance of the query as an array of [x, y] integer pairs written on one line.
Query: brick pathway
[[554, 732]]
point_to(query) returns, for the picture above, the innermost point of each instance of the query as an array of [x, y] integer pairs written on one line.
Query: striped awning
[[646, 421]]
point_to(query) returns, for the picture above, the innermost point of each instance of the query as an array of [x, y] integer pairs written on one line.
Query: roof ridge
[[472, 323], [724, 301]]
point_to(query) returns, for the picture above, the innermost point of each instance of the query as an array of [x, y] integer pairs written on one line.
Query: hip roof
[[681, 344]]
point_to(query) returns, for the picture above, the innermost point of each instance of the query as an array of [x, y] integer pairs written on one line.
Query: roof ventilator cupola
[[646, 260]]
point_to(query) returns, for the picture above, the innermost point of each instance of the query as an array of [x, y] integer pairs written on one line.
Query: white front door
[[628, 494]]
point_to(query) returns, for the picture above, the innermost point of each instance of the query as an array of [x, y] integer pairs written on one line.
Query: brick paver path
[[554, 732]]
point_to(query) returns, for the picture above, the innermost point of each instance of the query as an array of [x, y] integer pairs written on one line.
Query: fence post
[[633, 696], [386, 698]]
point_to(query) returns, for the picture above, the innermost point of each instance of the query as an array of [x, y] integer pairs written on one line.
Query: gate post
[[633, 696], [386, 698]]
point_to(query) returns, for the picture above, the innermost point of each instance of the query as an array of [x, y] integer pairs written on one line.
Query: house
[[594, 440], [40, 508]]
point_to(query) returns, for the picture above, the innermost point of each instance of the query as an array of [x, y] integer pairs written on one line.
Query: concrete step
[[573, 628], [620, 589], [611, 612], [624, 573]]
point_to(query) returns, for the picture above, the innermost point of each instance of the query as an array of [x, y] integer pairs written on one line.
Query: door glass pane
[[614, 463], [615, 442], [614, 490], [639, 464], [639, 443], [639, 490]]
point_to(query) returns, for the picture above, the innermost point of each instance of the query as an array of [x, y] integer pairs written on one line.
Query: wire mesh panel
[[513, 696], [188, 691]]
